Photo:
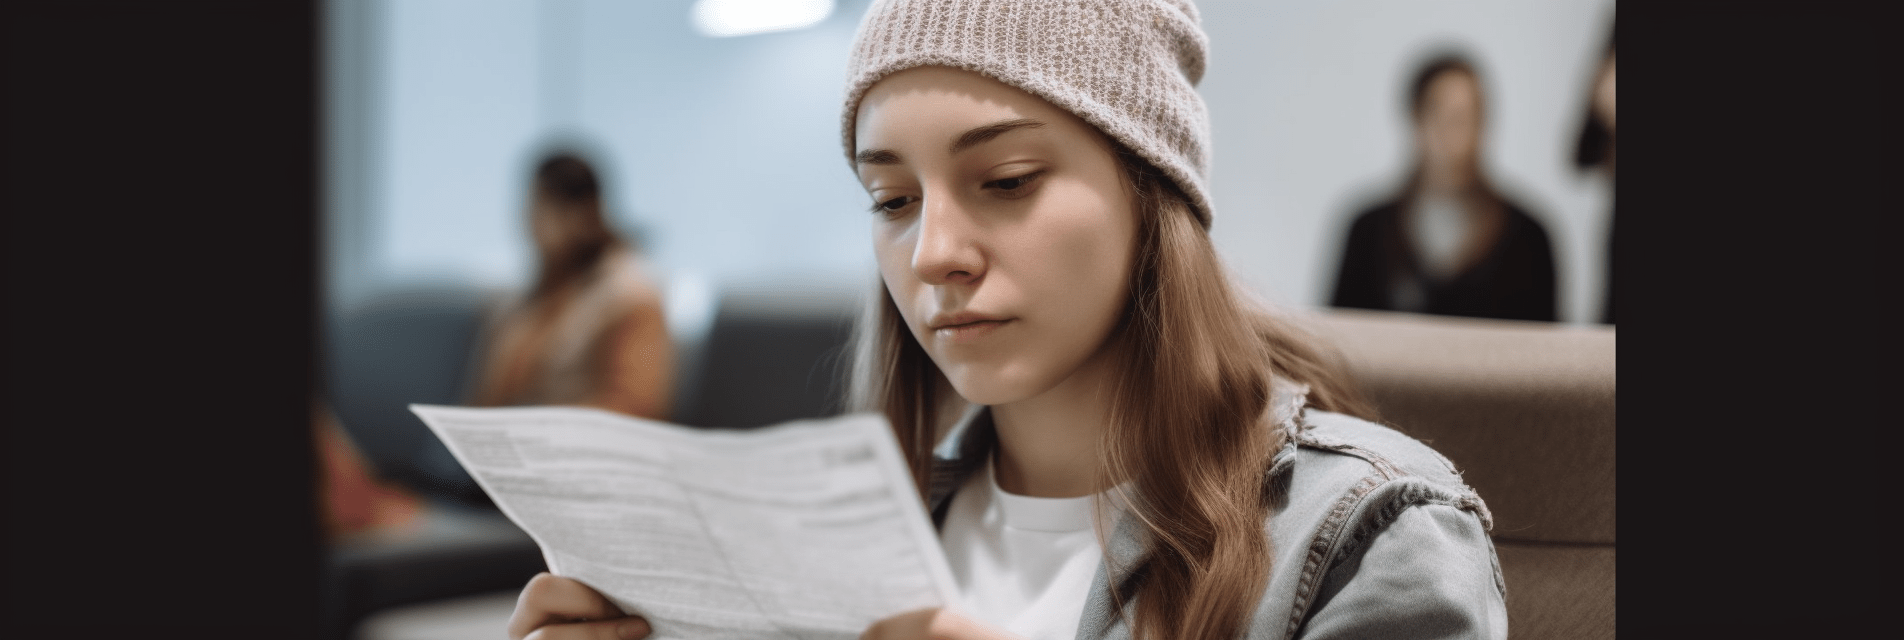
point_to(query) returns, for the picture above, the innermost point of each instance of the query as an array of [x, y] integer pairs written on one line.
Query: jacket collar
[[964, 451]]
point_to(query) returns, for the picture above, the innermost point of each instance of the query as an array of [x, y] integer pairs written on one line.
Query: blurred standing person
[[1449, 243], [590, 330], [1595, 150]]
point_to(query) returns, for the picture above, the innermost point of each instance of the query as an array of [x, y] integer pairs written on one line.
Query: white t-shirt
[[1023, 564], [1441, 232]]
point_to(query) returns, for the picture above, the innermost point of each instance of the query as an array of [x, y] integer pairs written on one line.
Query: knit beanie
[[1128, 67]]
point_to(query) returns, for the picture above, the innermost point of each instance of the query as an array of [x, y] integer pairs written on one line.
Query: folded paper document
[[808, 529]]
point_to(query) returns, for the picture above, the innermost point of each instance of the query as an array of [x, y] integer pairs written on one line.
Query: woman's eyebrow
[[876, 156], [979, 135], [971, 138]]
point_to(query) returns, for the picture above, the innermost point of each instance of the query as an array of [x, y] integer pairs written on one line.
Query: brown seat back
[[1524, 409], [1526, 412]]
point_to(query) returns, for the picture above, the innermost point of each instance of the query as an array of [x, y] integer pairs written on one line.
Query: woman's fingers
[[551, 599], [911, 624], [933, 624], [628, 628], [954, 626]]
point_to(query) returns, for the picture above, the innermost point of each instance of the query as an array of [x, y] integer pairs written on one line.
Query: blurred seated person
[[589, 331], [1448, 244], [355, 500]]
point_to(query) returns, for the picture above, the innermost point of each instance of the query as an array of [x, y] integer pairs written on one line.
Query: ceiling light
[[726, 18]]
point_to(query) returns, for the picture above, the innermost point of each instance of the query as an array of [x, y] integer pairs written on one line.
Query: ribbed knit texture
[[1128, 67]]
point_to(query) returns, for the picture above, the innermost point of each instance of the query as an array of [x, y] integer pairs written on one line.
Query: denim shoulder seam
[[1413, 494], [1321, 549], [1465, 498]]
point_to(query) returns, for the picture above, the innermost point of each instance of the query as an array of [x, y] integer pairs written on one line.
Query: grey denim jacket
[[1372, 534]]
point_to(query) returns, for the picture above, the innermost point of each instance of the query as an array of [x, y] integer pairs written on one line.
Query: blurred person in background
[[355, 501], [1449, 243], [589, 331], [1595, 150]]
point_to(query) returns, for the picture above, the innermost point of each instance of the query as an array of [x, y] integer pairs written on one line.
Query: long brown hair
[[1187, 427]]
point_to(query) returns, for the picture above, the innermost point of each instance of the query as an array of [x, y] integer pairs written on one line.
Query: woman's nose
[[948, 250]]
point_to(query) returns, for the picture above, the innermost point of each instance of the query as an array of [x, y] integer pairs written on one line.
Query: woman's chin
[[990, 386]]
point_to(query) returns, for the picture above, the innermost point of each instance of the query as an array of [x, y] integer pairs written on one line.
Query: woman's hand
[[933, 624], [557, 608]]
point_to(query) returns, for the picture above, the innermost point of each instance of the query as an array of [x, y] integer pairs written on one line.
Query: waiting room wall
[[725, 153]]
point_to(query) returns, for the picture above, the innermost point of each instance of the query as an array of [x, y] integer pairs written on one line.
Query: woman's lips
[[969, 331]]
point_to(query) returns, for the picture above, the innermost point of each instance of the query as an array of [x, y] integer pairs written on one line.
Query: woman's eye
[[1014, 183], [892, 205]]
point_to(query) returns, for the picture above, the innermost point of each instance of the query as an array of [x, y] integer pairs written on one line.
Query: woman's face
[[1603, 93], [544, 226], [1448, 129], [1003, 226]]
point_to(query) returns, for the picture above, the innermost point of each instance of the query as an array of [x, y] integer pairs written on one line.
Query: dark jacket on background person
[[1514, 280]]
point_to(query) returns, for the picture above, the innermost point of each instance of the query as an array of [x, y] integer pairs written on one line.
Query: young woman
[[1124, 448], [590, 330], [1449, 243]]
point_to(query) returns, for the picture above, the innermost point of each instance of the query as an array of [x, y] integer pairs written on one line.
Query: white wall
[[726, 151], [728, 148], [1306, 111], [459, 81]]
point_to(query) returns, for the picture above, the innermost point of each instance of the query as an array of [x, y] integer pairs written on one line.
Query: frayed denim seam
[[1468, 501], [1276, 481], [1381, 464], [1412, 494], [1322, 557], [1318, 559], [1500, 582]]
